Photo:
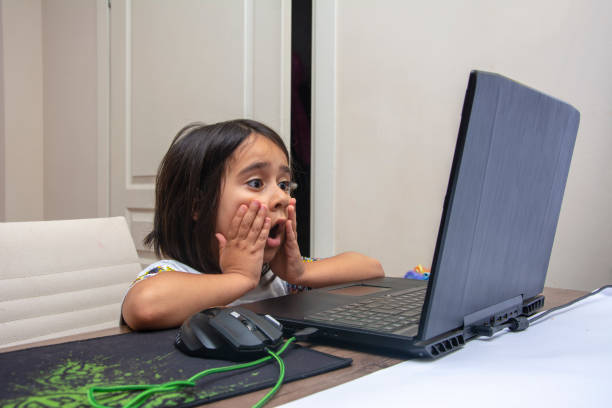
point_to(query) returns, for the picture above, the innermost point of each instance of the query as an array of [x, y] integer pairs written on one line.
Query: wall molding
[[103, 117], [247, 50]]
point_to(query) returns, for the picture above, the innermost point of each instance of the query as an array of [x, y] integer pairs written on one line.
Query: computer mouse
[[234, 334]]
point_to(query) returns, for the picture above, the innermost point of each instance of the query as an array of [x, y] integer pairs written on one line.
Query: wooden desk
[[363, 362]]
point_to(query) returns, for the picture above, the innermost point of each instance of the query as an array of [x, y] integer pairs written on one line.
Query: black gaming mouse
[[234, 334]]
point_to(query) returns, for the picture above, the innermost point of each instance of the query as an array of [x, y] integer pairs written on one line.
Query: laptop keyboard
[[390, 313]]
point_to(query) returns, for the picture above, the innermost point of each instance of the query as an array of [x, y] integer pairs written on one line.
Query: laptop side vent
[[446, 346], [533, 305]]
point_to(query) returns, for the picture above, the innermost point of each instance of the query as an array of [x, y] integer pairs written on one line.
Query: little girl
[[225, 227]]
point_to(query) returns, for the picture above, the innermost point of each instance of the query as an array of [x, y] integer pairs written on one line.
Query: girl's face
[[257, 170]]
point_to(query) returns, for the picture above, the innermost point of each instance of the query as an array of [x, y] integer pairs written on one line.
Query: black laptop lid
[[502, 205]]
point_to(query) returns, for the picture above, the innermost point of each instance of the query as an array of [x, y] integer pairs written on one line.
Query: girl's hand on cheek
[[242, 250], [287, 263]]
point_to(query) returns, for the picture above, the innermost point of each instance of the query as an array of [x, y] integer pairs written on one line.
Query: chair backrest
[[60, 278]]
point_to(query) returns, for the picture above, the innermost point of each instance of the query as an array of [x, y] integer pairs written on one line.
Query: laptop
[[496, 234]]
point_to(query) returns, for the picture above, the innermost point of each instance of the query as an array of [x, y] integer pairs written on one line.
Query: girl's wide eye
[[287, 186], [255, 183]]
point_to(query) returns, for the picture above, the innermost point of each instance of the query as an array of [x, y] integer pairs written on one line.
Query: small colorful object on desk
[[418, 273]]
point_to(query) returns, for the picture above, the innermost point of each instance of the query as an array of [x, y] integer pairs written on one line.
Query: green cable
[[281, 377], [150, 389]]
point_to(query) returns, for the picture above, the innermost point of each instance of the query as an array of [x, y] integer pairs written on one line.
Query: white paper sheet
[[563, 360]]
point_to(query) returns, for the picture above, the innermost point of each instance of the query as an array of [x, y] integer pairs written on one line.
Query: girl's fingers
[[292, 217], [258, 224], [222, 241], [265, 231], [247, 219], [291, 234], [235, 224]]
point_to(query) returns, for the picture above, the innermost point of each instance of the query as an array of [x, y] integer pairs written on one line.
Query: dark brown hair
[[189, 182]]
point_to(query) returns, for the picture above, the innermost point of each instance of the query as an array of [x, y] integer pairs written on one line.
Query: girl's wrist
[[299, 278], [242, 280]]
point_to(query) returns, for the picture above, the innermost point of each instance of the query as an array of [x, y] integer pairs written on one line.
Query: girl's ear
[[195, 215], [196, 209]]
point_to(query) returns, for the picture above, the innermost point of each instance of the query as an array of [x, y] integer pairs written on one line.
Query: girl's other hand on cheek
[[242, 250], [287, 262]]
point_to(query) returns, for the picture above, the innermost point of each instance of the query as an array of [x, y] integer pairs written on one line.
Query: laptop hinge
[[487, 320]]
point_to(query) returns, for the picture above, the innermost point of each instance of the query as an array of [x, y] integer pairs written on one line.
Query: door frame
[[324, 94]]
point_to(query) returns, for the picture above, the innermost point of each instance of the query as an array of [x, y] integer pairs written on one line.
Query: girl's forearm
[[345, 267], [167, 299]]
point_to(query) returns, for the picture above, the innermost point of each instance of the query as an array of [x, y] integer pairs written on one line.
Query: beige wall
[[2, 127], [49, 137], [70, 109], [22, 127], [402, 70]]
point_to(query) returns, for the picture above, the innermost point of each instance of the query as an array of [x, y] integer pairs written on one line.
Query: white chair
[[59, 278]]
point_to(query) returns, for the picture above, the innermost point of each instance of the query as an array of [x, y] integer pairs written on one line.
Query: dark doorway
[[301, 61]]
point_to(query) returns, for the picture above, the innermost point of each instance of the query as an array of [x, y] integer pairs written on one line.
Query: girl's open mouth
[[275, 236]]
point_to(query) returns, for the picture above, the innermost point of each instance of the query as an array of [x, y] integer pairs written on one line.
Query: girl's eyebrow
[[261, 166]]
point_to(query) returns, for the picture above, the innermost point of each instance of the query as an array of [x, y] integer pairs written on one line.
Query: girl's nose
[[280, 199]]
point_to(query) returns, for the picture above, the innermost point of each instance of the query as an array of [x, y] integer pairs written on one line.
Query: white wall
[[402, 70]]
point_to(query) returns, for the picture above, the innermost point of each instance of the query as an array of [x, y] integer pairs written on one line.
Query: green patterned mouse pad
[[60, 375]]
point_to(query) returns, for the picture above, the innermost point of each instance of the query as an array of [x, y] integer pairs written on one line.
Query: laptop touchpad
[[357, 290]]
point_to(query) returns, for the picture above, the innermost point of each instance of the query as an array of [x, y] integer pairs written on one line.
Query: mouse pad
[[60, 375]]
